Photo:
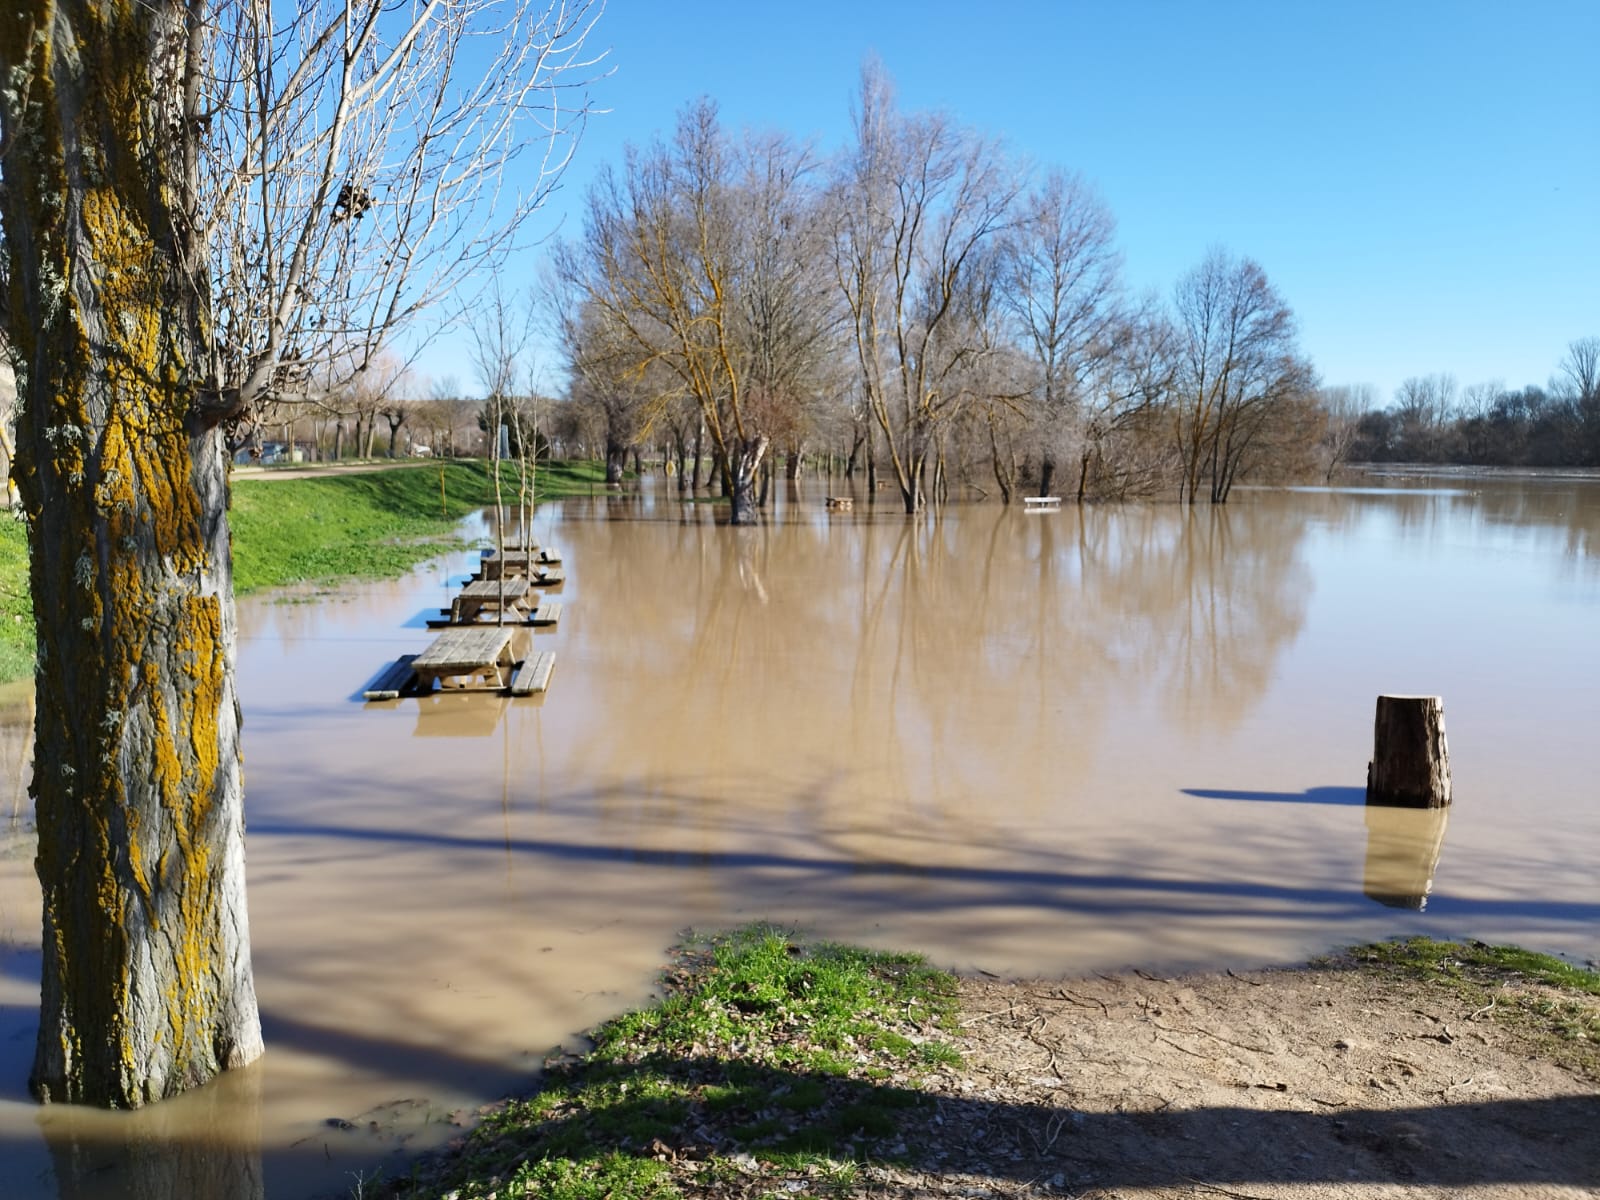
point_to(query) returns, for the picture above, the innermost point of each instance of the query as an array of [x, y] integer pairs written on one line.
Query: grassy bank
[[368, 525], [767, 1060], [776, 1067]]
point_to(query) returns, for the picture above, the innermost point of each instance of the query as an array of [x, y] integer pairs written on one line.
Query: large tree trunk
[[1047, 473], [146, 986], [616, 460], [744, 463]]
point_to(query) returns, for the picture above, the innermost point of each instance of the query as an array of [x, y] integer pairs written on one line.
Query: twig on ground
[[1176, 1046], [1215, 1036], [985, 1016], [1061, 993], [1222, 1191]]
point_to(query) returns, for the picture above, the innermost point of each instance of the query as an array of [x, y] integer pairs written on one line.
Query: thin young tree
[[202, 202]]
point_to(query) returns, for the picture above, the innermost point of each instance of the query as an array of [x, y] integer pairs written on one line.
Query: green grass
[[1546, 1000], [16, 604], [1476, 963], [767, 1060], [369, 525]]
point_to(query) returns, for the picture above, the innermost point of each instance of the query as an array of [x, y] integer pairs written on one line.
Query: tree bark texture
[[744, 465], [147, 986], [1410, 762]]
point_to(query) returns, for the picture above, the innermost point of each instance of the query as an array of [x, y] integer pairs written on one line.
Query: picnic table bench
[[472, 655]]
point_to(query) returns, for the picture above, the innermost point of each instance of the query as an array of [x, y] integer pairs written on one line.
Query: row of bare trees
[[919, 300], [1431, 420]]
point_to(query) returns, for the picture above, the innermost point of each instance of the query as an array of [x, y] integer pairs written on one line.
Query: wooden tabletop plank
[[489, 589], [465, 649]]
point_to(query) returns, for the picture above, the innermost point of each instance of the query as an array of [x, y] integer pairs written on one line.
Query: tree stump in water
[[1410, 764]]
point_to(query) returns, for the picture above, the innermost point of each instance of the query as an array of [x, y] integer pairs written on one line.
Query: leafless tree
[[1580, 378], [608, 384], [1343, 406], [916, 200], [1580, 370], [1425, 402], [1062, 285], [1239, 370], [693, 254], [1124, 451], [361, 167]]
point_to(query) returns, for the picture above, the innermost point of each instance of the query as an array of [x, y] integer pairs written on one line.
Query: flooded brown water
[[1041, 743]]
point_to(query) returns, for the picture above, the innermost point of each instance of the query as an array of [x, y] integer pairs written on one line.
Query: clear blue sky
[[1420, 180]]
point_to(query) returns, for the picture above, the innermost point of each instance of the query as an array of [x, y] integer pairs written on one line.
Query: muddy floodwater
[[1019, 742]]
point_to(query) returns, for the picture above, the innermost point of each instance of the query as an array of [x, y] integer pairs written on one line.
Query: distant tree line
[[917, 307], [1488, 424]]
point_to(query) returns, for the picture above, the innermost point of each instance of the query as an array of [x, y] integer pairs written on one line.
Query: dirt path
[[314, 470], [1304, 1084]]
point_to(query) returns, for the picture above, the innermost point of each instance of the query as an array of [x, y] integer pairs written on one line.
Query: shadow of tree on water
[[1057, 883]]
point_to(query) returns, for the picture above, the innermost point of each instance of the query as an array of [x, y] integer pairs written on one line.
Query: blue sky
[[1421, 181]]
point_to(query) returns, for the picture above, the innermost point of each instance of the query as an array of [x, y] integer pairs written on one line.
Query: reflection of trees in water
[[1537, 514], [1198, 602], [948, 657]]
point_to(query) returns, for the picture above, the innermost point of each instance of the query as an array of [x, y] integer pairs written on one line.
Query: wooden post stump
[[1410, 764]]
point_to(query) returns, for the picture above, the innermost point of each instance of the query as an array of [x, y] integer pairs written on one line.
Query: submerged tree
[[200, 202], [1240, 376], [918, 200], [694, 262], [1062, 284]]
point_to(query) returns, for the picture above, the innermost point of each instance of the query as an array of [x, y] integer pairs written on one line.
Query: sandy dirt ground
[[1305, 1084]]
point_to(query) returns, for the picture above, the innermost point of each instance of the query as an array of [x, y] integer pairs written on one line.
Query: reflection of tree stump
[[1410, 765], [1403, 847]]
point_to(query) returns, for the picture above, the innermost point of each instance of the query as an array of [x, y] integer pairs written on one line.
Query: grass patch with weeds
[[768, 1060], [1545, 999]]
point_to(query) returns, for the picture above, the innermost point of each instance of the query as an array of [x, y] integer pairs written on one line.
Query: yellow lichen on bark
[[146, 982]]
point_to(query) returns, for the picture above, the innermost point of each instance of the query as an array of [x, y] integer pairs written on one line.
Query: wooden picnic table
[[508, 596], [519, 562], [512, 562], [478, 655]]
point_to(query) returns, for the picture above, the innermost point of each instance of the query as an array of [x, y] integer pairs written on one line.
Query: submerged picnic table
[[508, 596], [479, 655], [520, 562]]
